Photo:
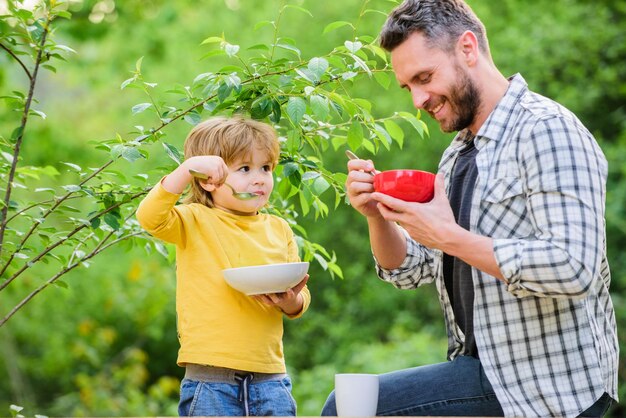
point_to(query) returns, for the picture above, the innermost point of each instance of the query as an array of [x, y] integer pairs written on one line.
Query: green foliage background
[[107, 344]]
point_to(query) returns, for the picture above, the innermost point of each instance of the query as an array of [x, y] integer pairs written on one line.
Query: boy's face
[[252, 174]]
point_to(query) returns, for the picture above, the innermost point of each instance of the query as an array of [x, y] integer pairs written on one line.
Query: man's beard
[[464, 101]]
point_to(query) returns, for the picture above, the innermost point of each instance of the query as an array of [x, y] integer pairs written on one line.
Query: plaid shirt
[[548, 339]]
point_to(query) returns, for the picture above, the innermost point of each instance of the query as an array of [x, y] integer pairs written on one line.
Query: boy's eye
[[244, 168], [267, 168]]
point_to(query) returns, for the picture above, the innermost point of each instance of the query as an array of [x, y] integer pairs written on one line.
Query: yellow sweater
[[218, 325]]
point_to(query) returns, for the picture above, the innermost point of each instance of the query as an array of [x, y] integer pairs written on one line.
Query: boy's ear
[[209, 187]]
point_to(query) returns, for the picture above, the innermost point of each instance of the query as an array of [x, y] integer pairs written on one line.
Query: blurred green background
[[107, 346]]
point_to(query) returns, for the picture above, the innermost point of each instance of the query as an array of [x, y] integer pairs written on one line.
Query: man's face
[[438, 83]]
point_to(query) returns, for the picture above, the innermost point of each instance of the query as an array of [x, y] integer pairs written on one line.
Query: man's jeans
[[454, 388]]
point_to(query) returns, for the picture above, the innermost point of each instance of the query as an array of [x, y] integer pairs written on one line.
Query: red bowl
[[408, 185]]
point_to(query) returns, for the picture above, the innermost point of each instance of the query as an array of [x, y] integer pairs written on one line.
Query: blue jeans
[[269, 398], [454, 388]]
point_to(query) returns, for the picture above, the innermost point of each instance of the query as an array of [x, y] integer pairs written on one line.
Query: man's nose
[[419, 98]]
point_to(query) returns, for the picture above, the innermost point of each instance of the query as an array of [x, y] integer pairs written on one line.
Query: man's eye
[[425, 78]]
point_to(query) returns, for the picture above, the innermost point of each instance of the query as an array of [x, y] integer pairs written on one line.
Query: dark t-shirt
[[456, 273]]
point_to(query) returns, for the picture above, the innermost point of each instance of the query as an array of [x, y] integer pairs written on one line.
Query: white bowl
[[268, 278]]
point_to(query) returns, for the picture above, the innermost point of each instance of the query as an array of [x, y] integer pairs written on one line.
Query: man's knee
[[329, 408]]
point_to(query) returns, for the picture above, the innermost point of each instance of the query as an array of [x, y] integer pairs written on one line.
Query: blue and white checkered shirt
[[548, 339]]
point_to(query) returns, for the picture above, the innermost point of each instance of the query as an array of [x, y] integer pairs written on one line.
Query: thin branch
[[45, 202], [54, 278], [19, 61], [56, 244], [18, 141]]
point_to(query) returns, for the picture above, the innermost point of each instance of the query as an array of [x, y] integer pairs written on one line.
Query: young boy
[[230, 343]]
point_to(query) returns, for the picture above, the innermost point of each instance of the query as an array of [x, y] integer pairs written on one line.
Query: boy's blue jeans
[[454, 388], [270, 398]]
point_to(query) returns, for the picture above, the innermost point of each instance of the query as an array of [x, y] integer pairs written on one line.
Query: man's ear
[[467, 46]]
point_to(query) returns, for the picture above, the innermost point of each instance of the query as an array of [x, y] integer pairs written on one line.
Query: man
[[514, 238]]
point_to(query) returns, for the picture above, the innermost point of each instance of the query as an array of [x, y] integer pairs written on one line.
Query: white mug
[[356, 394]]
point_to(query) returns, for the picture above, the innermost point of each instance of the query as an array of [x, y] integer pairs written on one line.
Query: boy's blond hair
[[231, 138]]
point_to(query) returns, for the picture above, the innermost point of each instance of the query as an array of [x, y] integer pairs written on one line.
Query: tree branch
[[18, 141], [53, 246], [19, 61], [54, 278]]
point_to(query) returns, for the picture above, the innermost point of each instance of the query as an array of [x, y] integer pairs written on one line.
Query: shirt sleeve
[[417, 268], [563, 174], [158, 216]]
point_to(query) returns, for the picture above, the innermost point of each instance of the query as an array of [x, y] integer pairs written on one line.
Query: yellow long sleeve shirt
[[217, 325]]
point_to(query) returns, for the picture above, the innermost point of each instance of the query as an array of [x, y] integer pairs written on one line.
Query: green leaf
[[261, 108], [296, 106], [7, 156], [63, 13], [353, 46], [320, 185], [212, 40], [289, 169], [288, 48], [61, 284], [38, 113], [231, 50], [95, 222], [336, 25], [213, 53], [319, 106], [383, 79], [318, 66], [383, 135], [338, 142], [295, 178], [224, 91], [192, 118], [417, 124], [302, 9], [262, 23], [64, 48], [261, 47], [127, 82], [355, 135], [112, 220], [310, 175], [276, 112], [73, 166], [361, 64], [173, 153], [131, 154], [72, 188], [138, 65], [304, 204], [138, 108], [378, 51], [395, 131], [17, 132]]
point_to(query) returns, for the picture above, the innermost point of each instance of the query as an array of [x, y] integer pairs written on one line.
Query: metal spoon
[[353, 156], [236, 194]]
